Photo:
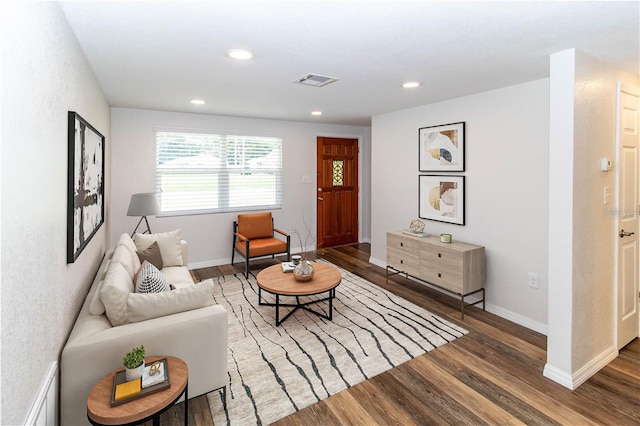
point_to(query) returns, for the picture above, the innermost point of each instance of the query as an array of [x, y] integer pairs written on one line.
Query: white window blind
[[208, 173]]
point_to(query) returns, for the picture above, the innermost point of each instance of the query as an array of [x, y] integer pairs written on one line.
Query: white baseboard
[[501, 312], [518, 319], [380, 263], [43, 411], [558, 376], [572, 381]]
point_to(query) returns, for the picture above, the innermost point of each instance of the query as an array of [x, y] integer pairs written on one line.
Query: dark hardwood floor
[[493, 375]]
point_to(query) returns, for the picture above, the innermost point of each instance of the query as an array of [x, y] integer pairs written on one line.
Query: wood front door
[[337, 201]]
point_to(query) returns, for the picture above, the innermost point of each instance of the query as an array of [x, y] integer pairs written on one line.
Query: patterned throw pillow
[[150, 279]]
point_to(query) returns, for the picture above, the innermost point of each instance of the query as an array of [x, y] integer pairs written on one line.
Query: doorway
[[337, 197], [627, 318]]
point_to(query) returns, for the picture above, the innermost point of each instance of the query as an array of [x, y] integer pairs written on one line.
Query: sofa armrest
[[185, 253], [199, 337]]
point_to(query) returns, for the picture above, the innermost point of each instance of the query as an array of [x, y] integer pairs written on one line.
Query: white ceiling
[[159, 55]]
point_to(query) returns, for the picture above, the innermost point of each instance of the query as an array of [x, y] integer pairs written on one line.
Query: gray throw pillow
[[152, 255]]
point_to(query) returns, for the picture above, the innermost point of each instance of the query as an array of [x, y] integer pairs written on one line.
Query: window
[[207, 173]]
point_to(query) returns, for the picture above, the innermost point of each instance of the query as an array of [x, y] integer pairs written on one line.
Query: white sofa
[[197, 335]]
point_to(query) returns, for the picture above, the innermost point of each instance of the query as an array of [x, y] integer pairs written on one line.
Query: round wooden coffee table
[[149, 407], [325, 280]]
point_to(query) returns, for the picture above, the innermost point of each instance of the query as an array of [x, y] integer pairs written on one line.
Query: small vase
[[134, 373], [303, 271]]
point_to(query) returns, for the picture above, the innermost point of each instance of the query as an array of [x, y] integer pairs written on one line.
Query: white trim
[[517, 318], [380, 263], [558, 376], [43, 409], [573, 381], [501, 312], [593, 366]]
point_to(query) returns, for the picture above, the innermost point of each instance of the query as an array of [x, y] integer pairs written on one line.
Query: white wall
[[44, 75], [210, 235], [507, 145], [583, 236]]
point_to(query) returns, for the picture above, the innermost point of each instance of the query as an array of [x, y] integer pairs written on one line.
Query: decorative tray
[[120, 378]]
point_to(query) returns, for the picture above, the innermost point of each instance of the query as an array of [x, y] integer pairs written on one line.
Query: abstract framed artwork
[[85, 193], [441, 198], [441, 148]]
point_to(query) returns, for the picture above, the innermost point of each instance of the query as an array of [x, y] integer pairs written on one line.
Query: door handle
[[320, 198], [625, 234]]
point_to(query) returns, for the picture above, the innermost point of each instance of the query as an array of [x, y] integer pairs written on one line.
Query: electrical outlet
[[533, 280]]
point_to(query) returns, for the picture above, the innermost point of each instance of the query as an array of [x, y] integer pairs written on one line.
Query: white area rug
[[275, 371]]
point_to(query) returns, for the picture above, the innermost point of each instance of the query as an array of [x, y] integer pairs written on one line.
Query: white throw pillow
[[150, 279], [115, 290], [125, 240], [141, 306], [169, 243], [96, 307], [122, 255]]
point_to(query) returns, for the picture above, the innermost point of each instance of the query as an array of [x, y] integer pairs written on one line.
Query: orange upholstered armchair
[[254, 236]]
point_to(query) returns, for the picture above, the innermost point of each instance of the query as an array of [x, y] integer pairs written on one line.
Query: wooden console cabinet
[[456, 267]]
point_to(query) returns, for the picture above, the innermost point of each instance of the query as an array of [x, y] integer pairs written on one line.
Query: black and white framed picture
[[441, 198], [441, 148], [85, 193]]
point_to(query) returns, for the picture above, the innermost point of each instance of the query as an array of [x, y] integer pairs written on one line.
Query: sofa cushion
[[169, 243], [125, 240], [122, 255], [96, 307], [116, 288], [141, 306], [152, 255], [177, 275], [150, 280]]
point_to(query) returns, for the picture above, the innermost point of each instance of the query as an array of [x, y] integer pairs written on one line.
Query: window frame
[[224, 173]]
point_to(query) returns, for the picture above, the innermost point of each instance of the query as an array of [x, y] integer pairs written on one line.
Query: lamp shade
[[145, 204]]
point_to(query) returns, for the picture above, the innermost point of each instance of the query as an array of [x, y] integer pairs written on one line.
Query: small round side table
[[149, 407]]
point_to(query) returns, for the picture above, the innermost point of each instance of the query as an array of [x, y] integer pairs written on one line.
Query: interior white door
[[627, 208]]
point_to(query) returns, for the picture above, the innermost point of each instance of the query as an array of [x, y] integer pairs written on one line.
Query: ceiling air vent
[[315, 80]]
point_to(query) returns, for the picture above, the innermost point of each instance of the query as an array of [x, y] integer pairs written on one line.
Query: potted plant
[[134, 363]]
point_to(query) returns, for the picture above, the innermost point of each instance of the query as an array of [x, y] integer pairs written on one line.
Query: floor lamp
[[144, 205]]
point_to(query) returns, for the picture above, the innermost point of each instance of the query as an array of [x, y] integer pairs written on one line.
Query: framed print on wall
[[441, 148], [85, 193], [441, 198]]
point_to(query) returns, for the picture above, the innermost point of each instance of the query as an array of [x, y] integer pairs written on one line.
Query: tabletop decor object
[[134, 363], [303, 271], [417, 226], [125, 391]]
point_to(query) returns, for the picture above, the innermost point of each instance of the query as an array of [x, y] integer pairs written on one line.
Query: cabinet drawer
[[407, 245], [444, 258], [450, 279], [404, 262]]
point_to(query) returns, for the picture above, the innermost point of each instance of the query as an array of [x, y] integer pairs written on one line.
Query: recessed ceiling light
[[316, 112], [197, 102], [411, 84], [241, 54]]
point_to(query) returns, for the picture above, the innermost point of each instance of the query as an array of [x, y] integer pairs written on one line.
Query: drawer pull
[[439, 275], [401, 244], [401, 261], [439, 254]]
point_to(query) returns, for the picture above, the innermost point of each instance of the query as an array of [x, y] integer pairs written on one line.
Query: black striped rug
[[275, 371]]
